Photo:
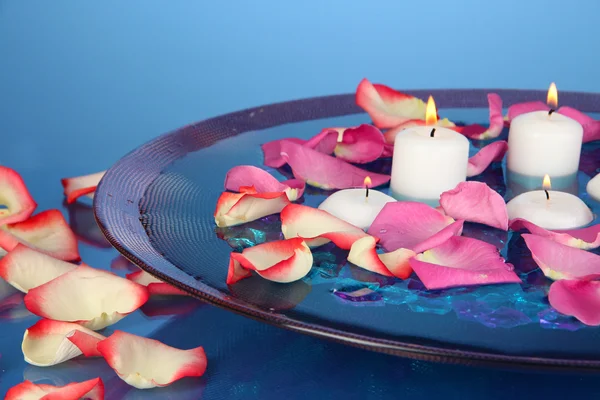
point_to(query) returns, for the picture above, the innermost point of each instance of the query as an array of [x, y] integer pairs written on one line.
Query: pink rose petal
[[16, 201], [326, 172], [248, 175], [407, 224], [324, 142], [583, 238], [558, 261], [238, 208], [496, 121], [462, 261], [475, 202], [361, 144], [591, 127], [281, 261], [146, 363], [522, 108], [85, 341], [364, 254], [318, 227], [155, 286], [387, 107], [390, 134], [89, 390], [493, 152], [79, 186], [580, 299]]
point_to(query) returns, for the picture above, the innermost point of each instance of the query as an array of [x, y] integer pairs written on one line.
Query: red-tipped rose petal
[[462, 261], [496, 121], [318, 227], [493, 152], [236, 272], [361, 144], [558, 261], [324, 142], [262, 181], [25, 268], [584, 238], [591, 127], [238, 208], [326, 172], [522, 108], [18, 205], [364, 254], [79, 186], [387, 107], [155, 286], [407, 224], [147, 363], [89, 390], [47, 232], [102, 298], [46, 342], [580, 299], [85, 341], [475, 202], [281, 261]]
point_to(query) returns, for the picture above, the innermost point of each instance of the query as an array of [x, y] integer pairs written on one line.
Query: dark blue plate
[[156, 207]]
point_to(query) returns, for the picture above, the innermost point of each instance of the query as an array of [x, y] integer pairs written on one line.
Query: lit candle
[[593, 188], [544, 142], [550, 209], [428, 160], [358, 207]]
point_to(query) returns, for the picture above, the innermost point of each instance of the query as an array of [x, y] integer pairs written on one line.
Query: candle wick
[[367, 194], [432, 132], [551, 111], [547, 194]]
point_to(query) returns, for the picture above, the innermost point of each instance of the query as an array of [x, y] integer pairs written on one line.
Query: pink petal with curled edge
[[25, 268], [318, 227], [146, 363], [407, 224], [85, 341], [558, 261], [475, 202], [361, 144], [262, 181], [155, 286], [493, 152], [364, 254], [47, 232], [388, 150], [18, 205], [236, 272], [462, 261], [591, 127], [584, 238], [79, 186], [521, 108], [387, 107], [324, 142], [496, 121], [281, 261], [326, 172], [238, 208], [580, 299], [102, 298], [89, 390], [46, 343]]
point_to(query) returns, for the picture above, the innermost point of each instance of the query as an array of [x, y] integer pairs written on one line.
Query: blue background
[[83, 82]]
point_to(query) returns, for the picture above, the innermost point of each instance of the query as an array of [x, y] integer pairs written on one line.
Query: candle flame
[[368, 181], [552, 99], [430, 112], [546, 184]]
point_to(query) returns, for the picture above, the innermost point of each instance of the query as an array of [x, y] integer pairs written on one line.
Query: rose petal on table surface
[[88, 296], [25, 268], [462, 261], [361, 144], [591, 127], [27, 390], [155, 286], [577, 298], [146, 363], [324, 171], [364, 254], [324, 142], [238, 208], [493, 152], [47, 232], [496, 121], [46, 343], [558, 261], [280, 261], [318, 227], [78, 186], [251, 176], [16, 203], [86, 342], [522, 108], [475, 202], [390, 134], [407, 224], [583, 238], [387, 107]]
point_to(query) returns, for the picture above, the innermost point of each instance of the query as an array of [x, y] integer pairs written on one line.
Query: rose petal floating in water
[[364, 254], [493, 152], [477, 132], [238, 208], [155, 286], [89, 390], [522, 108], [324, 142], [251, 176], [580, 299], [79, 186], [18, 205], [362, 144], [583, 238]]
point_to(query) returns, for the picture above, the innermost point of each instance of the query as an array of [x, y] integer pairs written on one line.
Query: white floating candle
[[593, 188], [358, 207], [544, 142], [428, 160], [550, 209]]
